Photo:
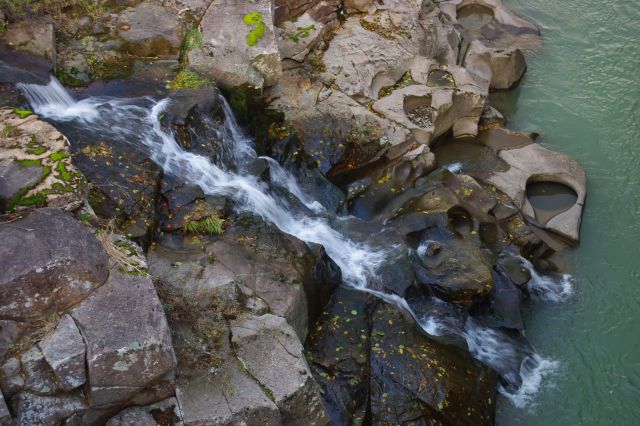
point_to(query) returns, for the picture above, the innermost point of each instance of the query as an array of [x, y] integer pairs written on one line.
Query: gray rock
[[14, 177], [127, 337], [50, 262], [429, 112], [230, 397], [11, 380], [150, 29], [64, 351], [168, 410], [361, 62], [235, 52], [270, 350], [33, 36], [535, 163], [502, 68], [35, 410], [5, 415], [296, 38], [38, 376], [133, 416]]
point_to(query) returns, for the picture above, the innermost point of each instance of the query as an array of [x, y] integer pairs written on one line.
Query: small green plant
[[23, 113], [192, 40], [211, 225], [303, 32], [187, 79], [256, 34], [9, 131]]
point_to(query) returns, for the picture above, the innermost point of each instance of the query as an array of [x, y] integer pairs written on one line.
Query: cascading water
[[137, 122]]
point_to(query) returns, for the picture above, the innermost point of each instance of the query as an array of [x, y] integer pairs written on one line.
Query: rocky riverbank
[[135, 293]]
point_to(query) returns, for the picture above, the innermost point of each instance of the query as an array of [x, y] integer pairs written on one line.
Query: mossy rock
[[38, 150]]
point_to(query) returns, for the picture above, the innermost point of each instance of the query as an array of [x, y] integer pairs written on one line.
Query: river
[[582, 93]]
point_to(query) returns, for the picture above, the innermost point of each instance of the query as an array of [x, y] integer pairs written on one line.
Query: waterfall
[[137, 122]]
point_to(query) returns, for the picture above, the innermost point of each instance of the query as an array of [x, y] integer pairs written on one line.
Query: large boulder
[[533, 163], [50, 263], [268, 348], [127, 337], [238, 44], [149, 30], [32, 36]]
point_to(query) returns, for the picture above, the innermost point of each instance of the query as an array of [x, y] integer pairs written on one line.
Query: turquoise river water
[[582, 94]]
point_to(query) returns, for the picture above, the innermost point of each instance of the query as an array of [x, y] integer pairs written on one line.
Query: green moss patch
[[187, 79], [256, 34]]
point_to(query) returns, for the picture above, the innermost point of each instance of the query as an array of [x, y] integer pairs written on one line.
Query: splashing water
[[136, 122], [548, 288]]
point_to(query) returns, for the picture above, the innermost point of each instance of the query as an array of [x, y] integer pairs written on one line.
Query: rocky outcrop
[[130, 350], [149, 30], [51, 262], [533, 163], [296, 39], [238, 44]]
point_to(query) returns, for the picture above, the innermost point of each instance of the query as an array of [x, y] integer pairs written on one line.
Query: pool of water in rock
[[549, 199], [474, 16]]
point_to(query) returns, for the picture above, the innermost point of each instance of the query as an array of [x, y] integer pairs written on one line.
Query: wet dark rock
[[424, 380], [125, 184], [460, 272], [375, 367], [502, 307], [339, 344], [51, 262]]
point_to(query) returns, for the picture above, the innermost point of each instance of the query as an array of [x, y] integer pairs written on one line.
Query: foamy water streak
[[136, 121], [131, 123], [549, 288]]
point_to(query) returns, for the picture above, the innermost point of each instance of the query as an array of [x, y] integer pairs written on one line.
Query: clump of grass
[[192, 40], [211, 225], [121, 251], [9, 131], [37, 331], [187, 79]]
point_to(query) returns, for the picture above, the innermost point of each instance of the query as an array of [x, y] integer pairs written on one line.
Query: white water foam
[[548, 288]]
